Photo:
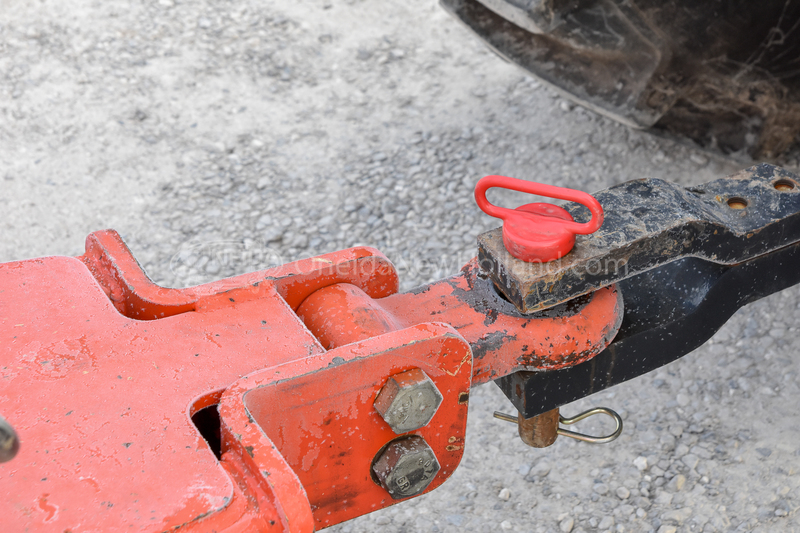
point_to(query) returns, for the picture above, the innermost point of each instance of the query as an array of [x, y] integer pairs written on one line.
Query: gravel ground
[[222, 137]]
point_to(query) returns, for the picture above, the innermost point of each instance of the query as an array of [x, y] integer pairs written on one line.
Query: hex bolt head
[[9, 442], [408, 401], [406, 467]]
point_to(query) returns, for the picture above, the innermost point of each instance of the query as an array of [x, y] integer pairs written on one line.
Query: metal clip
[[568, 422]]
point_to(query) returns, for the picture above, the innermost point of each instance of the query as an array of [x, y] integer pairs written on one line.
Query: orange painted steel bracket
[[249, 404]]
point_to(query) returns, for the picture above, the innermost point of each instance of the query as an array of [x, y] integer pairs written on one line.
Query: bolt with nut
[[408, 401], [406, 467]]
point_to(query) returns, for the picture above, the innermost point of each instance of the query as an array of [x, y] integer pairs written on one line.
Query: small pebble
[[675, 430], [664, 499], [676, 483], [626, 510], [623, 493], [455, 519], [567, 524], [690, 460], [606, 523], [541, 469]]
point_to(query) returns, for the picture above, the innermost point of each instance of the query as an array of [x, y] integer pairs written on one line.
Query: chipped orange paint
[[503, 342], [101, 371], [329, 435]]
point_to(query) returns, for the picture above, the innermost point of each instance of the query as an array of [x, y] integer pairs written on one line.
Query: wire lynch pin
[[542, 430]]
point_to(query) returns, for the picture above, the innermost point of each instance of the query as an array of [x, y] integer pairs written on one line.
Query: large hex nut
[[406, 467], [408, 401]]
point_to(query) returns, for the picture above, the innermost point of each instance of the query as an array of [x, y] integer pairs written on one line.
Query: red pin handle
[[538, 232]]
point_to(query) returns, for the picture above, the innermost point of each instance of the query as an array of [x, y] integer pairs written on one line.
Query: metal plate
[[651, 222]]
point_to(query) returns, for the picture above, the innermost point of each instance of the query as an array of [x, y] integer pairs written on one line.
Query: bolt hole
[[784, 185], [737, 203]]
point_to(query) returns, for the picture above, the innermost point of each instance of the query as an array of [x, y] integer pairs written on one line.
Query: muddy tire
[[724, 73]]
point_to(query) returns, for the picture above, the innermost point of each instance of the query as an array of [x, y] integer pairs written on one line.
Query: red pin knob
[[538, 232]]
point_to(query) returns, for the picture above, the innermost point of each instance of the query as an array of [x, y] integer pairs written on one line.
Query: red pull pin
[[538, 232]]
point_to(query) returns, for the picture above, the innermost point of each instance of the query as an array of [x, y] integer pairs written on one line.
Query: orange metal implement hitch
[[289, 399]]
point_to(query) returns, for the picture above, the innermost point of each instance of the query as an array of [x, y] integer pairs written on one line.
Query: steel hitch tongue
[[684, 259]]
